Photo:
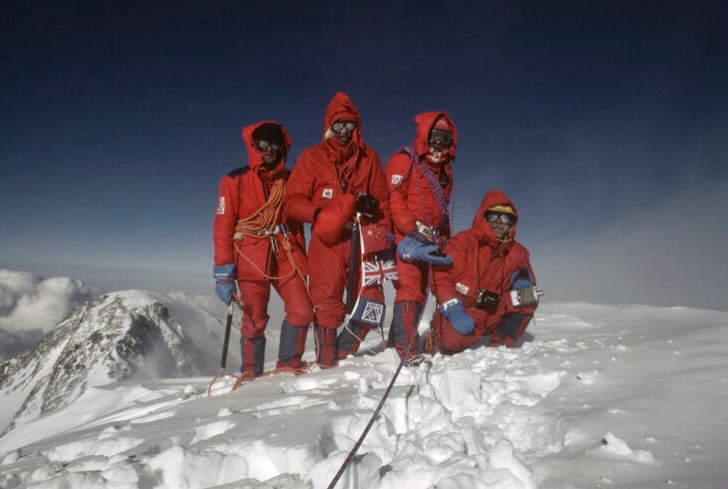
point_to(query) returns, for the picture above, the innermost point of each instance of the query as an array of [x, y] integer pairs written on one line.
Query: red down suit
[[481, 262], [330, 174], [412, 199], [262, 259]]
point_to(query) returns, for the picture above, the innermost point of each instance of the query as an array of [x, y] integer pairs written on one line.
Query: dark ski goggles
[[339, 126], [262, 145], [497, 216], [442, 138]]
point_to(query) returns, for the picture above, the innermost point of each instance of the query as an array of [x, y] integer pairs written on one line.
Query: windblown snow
[[597, 396]]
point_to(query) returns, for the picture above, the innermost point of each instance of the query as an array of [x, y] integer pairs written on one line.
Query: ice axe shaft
[[353, 259], [228, 325]]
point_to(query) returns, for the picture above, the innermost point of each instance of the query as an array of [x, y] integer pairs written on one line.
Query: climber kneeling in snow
[[257, 244], [490, 288]]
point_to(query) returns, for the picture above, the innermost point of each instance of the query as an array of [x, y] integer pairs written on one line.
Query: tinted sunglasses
[[497, 216], [339, 126], [437, 136], [262, 145]]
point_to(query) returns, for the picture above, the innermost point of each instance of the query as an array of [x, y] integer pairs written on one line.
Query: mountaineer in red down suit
[[257, 245], [490, 288], [420, 180], [330, 182]]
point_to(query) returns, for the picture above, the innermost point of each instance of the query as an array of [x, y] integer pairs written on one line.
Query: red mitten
[[331, 220]]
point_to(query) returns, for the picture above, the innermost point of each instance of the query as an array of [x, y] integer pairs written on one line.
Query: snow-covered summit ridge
[[114, 337], [617, 397]]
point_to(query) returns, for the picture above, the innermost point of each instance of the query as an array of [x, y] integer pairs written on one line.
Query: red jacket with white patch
[[318, 178], [481, 262], [411, 198], [323, 174], [242, 193]]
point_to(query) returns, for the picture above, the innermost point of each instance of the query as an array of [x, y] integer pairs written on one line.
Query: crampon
[[224, 383]]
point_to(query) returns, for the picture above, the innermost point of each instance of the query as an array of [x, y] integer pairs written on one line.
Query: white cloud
[[31, 305]]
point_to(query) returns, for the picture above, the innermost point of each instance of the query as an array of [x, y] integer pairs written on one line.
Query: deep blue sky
[[605, 121]]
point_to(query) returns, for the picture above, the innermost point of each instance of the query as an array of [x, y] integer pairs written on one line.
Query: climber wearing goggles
[[421, 184], [264, 144], [440, 138], [258, 247], [499, 217], [340, 126]]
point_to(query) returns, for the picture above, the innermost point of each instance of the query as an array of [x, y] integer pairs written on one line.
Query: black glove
[[366, 204]]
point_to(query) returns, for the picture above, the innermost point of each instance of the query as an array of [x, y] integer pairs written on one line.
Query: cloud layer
[[31, 305]]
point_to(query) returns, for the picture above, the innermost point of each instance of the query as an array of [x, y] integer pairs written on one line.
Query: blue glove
[[521, 279], [411, 249], [454, 311], [225, 276]]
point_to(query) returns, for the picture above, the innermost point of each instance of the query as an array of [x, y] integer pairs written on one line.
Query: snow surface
[[596, 397]]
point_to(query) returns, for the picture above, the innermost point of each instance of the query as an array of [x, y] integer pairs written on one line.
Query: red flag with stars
[[374, 238]]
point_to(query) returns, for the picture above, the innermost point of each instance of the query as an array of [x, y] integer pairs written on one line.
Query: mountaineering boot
[[405, 319], [292, 345], [430, 344], [253, 356], [325, 346], [510, 328], [350, 338]]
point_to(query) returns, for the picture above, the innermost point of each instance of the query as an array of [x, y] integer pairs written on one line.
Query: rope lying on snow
[[352, 453]]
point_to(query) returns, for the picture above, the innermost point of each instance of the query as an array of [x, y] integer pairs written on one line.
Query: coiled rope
[[267, 217]]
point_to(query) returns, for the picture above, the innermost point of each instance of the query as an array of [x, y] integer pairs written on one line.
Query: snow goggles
[[339, 126], [443, 138], [263, 144], [497, 216]]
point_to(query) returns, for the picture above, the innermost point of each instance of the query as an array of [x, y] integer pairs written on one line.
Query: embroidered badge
[[369, 312], [221, 205], [463, 289], [396, 179], [328, 193]]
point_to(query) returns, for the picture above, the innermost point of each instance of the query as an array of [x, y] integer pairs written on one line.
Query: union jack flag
[[376, 272]]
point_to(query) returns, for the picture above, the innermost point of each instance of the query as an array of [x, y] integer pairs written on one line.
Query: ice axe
[[353, 258], [228, 325]]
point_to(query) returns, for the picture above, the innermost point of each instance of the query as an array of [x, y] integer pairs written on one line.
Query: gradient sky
[[605, 121]]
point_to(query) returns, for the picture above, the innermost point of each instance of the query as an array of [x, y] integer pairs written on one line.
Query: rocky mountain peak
[[113, 337]]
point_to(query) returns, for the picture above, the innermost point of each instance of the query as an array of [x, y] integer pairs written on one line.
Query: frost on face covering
[[435, 155]]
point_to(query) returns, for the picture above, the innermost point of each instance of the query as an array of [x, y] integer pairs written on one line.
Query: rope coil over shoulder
[[264, 224], [437, 190]]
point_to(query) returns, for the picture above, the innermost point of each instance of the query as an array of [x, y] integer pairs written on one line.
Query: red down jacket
[[242, 193], [323, 175], [412, 199], [480, 262]]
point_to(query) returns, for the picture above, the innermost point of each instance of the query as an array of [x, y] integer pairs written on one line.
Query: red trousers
[[507, 331], [256, 295]]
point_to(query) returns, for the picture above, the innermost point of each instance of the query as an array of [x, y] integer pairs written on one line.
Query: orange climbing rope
[[262, 225]]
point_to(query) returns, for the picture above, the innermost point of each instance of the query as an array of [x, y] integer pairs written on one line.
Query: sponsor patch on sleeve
[[328, 193], [396, 179], [463, 289], [221, 205]]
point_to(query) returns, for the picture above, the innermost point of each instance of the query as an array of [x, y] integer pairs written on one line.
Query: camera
[[487, 301], [366, 204]]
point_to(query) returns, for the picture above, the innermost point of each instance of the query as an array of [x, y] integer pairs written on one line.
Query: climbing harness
[[446, 208], [262, 225]]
